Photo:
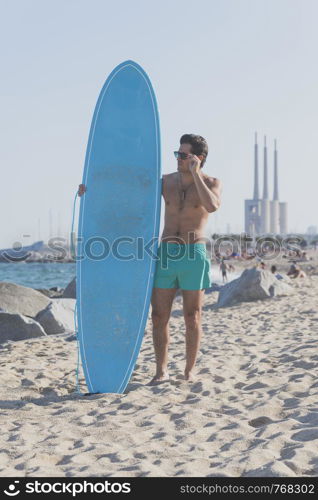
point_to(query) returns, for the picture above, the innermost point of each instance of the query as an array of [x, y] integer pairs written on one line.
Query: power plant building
[[262, 215]]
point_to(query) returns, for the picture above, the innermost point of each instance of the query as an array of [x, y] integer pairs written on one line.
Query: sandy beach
[[253, 410]]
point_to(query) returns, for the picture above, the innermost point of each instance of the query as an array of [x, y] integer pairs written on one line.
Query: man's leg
[[192, 306], [161, 301]]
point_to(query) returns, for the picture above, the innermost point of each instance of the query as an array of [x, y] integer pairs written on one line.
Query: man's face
[[183, 165]]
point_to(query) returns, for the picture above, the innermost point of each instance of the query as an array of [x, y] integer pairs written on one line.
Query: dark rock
[[70, 290], [51, 293], [18, 327]]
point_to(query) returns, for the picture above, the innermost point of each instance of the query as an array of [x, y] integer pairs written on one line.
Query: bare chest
[[179, 196]]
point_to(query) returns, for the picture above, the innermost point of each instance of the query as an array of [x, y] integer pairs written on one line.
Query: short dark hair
[[199, 146]]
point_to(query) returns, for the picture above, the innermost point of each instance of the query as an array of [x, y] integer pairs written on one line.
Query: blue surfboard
[[118, 228]]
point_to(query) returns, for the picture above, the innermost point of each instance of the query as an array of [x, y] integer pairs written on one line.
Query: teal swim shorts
[[182, 266]]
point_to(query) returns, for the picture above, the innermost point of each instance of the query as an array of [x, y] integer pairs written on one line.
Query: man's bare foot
[[159, 379], [189, 377]]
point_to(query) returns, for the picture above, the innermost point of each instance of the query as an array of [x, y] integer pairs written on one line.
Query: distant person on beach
[[224, 269], [274, 271], [190, 196], [262, 265], [295, 271]]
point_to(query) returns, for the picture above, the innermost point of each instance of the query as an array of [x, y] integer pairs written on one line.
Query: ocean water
[[38, 275]]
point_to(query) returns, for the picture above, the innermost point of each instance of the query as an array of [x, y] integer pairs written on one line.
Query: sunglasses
[[181, 156]]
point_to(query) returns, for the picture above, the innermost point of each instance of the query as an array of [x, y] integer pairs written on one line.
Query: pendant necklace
[[182, 191]]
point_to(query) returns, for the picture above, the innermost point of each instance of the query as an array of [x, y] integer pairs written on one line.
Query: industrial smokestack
[[275, 197], [256, 192], [265, 189]]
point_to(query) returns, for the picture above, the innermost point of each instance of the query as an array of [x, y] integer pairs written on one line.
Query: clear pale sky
[[220, 68]]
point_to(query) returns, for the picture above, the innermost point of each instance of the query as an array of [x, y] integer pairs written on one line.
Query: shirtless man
[[189, 195]]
